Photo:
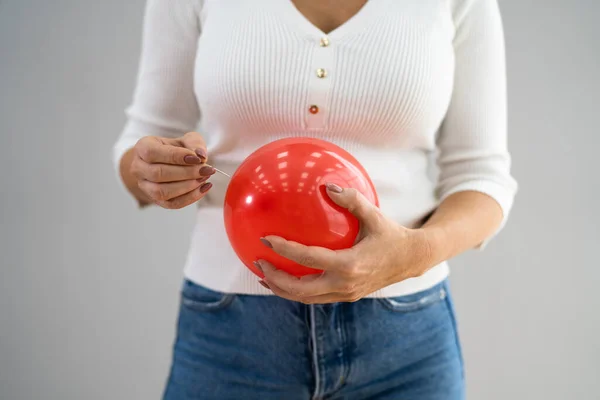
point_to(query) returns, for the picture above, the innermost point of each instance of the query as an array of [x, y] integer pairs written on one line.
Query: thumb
[[195, 142], [358, 205]]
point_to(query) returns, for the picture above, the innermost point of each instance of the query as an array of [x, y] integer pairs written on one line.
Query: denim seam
[[208, 306], [416, 305], [315, 352], [344, 362], [456, 339]]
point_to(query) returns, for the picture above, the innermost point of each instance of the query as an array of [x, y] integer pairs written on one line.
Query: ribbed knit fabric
[[404, 80]]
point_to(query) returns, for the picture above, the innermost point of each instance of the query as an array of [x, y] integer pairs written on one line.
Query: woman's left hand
[[385, 253]]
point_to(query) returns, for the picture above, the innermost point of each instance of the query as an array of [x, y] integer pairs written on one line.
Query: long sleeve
[[164, 103], [472, 140]]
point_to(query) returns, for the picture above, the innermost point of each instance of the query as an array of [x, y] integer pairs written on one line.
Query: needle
[[221, 172]]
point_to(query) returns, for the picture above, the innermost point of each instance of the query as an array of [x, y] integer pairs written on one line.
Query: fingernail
[[191, 159], [264, 285], [334, 188], [266, 243], [257, 265], [205, 187], [201, 153], [207, 171], [201, 180]]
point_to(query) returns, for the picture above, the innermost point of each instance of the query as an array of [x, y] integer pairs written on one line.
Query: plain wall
[[89, 285]]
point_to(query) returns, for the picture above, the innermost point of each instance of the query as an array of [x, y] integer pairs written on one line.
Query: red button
[[313, 109]]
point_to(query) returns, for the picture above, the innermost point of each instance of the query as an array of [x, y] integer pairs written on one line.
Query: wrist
[[438, 245]]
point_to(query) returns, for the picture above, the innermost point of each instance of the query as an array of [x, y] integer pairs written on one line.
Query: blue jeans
[[264, 347]]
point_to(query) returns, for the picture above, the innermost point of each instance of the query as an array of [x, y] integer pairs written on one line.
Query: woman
[[393, 83]]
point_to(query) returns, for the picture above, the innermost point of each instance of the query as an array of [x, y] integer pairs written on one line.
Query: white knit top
[[398, 83]]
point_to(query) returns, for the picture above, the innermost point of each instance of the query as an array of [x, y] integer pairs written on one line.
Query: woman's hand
[[385, 253], [169, 171]]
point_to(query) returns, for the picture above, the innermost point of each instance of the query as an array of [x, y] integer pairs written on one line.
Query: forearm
[[130, 180], [461, 222]]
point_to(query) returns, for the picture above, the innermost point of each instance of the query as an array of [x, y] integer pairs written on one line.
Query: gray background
[[78, 322]]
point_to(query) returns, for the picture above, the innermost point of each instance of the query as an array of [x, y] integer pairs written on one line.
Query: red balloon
[[280, 190]]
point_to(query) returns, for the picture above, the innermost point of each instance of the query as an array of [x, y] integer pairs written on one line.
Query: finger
[[161, 173], [297, 288], [324, 299], [330, 298], [354, 201], [195, 142], [155, 150], [170, 190], [309, 256], [186, 199], [281, 293]]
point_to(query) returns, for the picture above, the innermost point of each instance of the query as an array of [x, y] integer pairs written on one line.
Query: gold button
[[324, 42], [313, 109], [321, 73]]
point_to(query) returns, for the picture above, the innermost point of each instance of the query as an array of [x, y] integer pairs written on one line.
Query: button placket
[[319, 87]]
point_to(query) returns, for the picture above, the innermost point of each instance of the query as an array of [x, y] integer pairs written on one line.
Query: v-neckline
[[352, 24]]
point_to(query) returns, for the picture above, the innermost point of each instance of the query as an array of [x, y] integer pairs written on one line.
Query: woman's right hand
[[172, 172]]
